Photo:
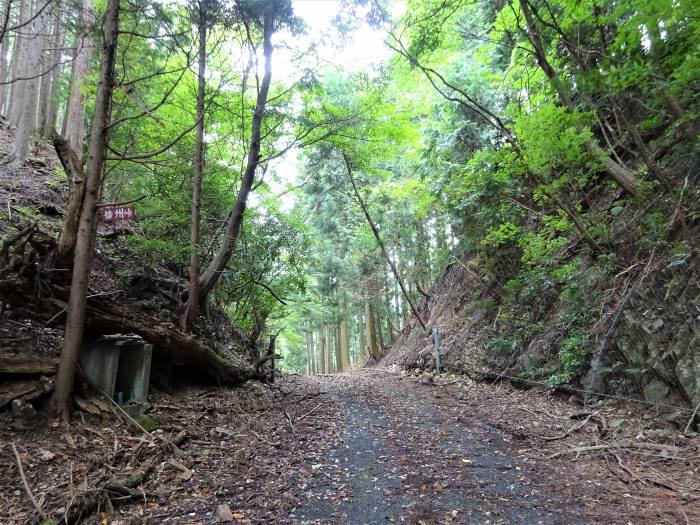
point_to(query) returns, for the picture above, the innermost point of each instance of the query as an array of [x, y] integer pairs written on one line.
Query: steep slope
[[642, 341], [126, 294]]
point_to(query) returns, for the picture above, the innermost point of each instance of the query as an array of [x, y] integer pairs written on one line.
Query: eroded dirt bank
[[368, 447]]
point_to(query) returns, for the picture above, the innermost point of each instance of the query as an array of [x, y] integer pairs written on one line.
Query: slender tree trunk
[[378, 326], [192, 308], [441, 248], [390, 328], [338, 349], [4, 45], [75, 114], [233, 226], [378, 238], [31, 57], [59, 38], [624, 177], [45, 82], [66, 103], [343, 335], [319, 351], [373, 349], [84, 250], [326, 349], [17, 86], [363, 353]]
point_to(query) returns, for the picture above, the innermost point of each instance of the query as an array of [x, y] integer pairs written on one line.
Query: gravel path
[[368, 447], [405, 458]]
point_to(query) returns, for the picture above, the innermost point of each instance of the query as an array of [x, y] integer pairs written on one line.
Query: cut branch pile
[[122, 485]]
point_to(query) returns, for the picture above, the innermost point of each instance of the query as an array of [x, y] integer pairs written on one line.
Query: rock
[[147, 422], [653, 326], [655, 391], [46, 455], [617, 424], [679, 418], [21, 408], [223, 513], [224, 432]]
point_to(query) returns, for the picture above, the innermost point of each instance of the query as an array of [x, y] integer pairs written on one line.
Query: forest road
[[413, 453]]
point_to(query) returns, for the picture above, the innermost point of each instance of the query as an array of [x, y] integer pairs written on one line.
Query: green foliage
[[574, 357], [551, 142], [505, 233], [471, 145]]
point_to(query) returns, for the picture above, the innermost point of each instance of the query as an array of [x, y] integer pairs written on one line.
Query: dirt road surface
[[369, 447]]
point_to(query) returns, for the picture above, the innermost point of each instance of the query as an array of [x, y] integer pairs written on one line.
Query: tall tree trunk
[[622, 175], [378, 238], [390, 328], [338, 349], [326, 349], [45, 82], [233, 226], [343, 335], [17, 87], [4, 45], [371, 331], [192, 308], [66, 102], [52, 108], [309, 352], [442, 250], [363, 353], [84, 250], [321, 350], [75, 114], [378, 326], [30, 57]]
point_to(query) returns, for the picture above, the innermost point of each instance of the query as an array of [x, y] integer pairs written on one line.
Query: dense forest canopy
[[314, 182]]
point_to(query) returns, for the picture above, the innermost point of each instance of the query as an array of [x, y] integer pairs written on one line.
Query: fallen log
[[30, 282], [629, 444], [25, 390], [23, 364], [105, 316]]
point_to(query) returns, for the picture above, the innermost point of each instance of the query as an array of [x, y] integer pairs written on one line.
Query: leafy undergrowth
[[625, 328]]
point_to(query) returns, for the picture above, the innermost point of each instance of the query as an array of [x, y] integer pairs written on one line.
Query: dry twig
[[606, 446], [692, 418], [38, 508], [309, 412]]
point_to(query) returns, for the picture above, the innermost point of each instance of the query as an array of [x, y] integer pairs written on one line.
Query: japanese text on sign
[[118, 213]]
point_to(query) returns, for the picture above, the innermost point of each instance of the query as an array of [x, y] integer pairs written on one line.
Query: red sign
[[118, 213]]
